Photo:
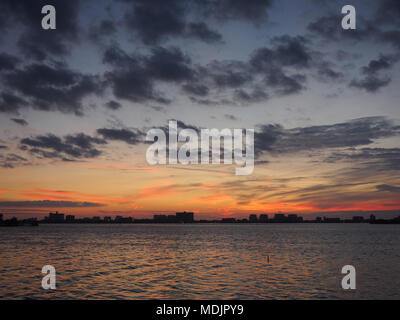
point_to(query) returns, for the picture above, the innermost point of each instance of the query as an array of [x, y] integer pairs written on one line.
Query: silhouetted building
[[228, 220], [253, 218], [318, 219], [186, 217], [70, 218], [30, 221], [56, 217], [372, 218], [263, 218], [280, 217], [358, 219], [160, 217], [332, 220], [1, 217], [119, 219], [107, 219], [292, 218], [96, 219]]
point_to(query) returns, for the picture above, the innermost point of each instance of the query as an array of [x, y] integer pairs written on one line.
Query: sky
[[76, 104]]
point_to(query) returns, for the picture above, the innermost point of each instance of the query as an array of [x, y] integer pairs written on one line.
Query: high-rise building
[[280, 217], [56, 217], [253, 218], [263, 218], [186, 217], [1, 217]]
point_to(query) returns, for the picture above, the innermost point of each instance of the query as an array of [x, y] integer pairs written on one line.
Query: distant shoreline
[[29, 224], [188, 218]]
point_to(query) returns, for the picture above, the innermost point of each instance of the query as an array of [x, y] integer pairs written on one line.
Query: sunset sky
[[76, 103]]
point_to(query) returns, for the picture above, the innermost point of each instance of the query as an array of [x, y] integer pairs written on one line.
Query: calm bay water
[[200, 261]]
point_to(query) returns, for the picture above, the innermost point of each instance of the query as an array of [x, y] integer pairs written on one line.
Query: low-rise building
[[70, 218]]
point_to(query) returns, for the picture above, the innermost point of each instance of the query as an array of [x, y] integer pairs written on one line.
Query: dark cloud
[[8, 62], [256, 95], [382, 26], [113, 105], [156, 20], [265, 137], [324, 72], [388, 12], [128, 136], [228, 74], [383, 63], [48, 204], [389, 188], [129, 78], [48, 88], [72, 146], [330, 28], [269, 71], [11, 103], [367, 164], [201, 31], [359, 132], [254, 11], [168, 64], [392, 37], [287, 51], [285, 84], [196, 89], [21, 122], [11, 160], [83, 141], [377, 159], [38, 43], [104, 29], [370, 83], [373, 80], [183, 125], [275, 65], [134, 76]]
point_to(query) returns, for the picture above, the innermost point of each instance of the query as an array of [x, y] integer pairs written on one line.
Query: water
[[200, 261]]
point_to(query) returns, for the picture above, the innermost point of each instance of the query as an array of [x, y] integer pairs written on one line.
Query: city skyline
[[189, 217], [76, 103]]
